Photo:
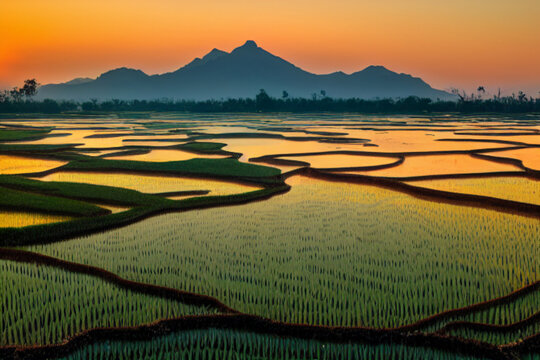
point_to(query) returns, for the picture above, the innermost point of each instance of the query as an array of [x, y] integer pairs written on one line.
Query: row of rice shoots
[[44, 305], [327, 253], [508, 188], [217, 344]]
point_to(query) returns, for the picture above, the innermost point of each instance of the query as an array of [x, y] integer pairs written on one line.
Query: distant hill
[[241, 73]]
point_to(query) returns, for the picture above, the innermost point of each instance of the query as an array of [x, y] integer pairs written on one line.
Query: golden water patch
[[160, 155], [508, 188], [418, 140], [22, 165], [340, 160], [23, 218], [440, 164], [530, 157], [251, 148], [79, 137], [151, 183], [113, 209]]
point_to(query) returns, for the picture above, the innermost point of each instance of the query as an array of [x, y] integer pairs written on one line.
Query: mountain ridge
[[241, 73]]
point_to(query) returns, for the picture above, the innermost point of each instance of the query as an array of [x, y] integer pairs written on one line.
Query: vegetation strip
[[81, 191], [43, 234], [155, 290], [183, 193], [535, 318], [203, 300], [23, 135], [19, 200], [476, 307], [508, 206], [264, 326]]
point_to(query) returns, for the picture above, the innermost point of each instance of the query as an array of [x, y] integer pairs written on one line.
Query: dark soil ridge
[[479, 201], [241, 135], [400, 334], [389, 154], [139, 287], [112, 170], [277, 160], [263, 326], [500, 133], [182, 193], [498, 328]]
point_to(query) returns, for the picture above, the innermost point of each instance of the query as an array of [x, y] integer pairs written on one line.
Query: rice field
[[229, 344], [508, 188], [10, 164], [45, 305], [12, 218], [325, 253], [151, 183], [440, 165], [502, 314]]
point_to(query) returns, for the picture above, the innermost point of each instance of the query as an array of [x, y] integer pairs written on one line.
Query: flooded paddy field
[[248, 231]]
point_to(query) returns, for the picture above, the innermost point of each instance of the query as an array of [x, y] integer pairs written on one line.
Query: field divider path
[[470, 325], [250, 323], [480, 201], [233, 319]]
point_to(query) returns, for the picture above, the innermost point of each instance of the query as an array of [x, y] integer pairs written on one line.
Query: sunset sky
[[458, 43]]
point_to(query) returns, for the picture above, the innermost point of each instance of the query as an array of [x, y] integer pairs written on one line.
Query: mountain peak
[[215, 53], [123, 71], [250, 44], [376, 68], [240, 74]]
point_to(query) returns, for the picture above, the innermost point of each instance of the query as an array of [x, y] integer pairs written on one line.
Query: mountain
[[241, 73]]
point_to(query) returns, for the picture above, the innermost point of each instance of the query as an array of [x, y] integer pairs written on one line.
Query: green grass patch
[[204, 147], [16, 148], [55, 232], [22, 135], [95, 193], [13, 199], [221, 168]]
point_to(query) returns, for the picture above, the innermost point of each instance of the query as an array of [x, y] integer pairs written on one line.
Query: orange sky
[[462, 43]]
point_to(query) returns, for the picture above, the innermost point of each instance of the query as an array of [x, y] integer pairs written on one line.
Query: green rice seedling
[[498, 338], [508, 188], [507, 313], [231, 344], [44, 305], [328, 253]]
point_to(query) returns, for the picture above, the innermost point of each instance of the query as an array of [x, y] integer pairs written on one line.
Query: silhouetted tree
[[4, 96], [323, 93], [284, 95], [461, 96], [263, 101], [481, 91], [16, 94], [29, 88]]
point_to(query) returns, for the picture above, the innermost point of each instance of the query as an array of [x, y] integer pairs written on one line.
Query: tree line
[[19, 100]]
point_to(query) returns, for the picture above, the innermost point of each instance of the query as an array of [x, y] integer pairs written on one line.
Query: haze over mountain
[[241, 74]]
